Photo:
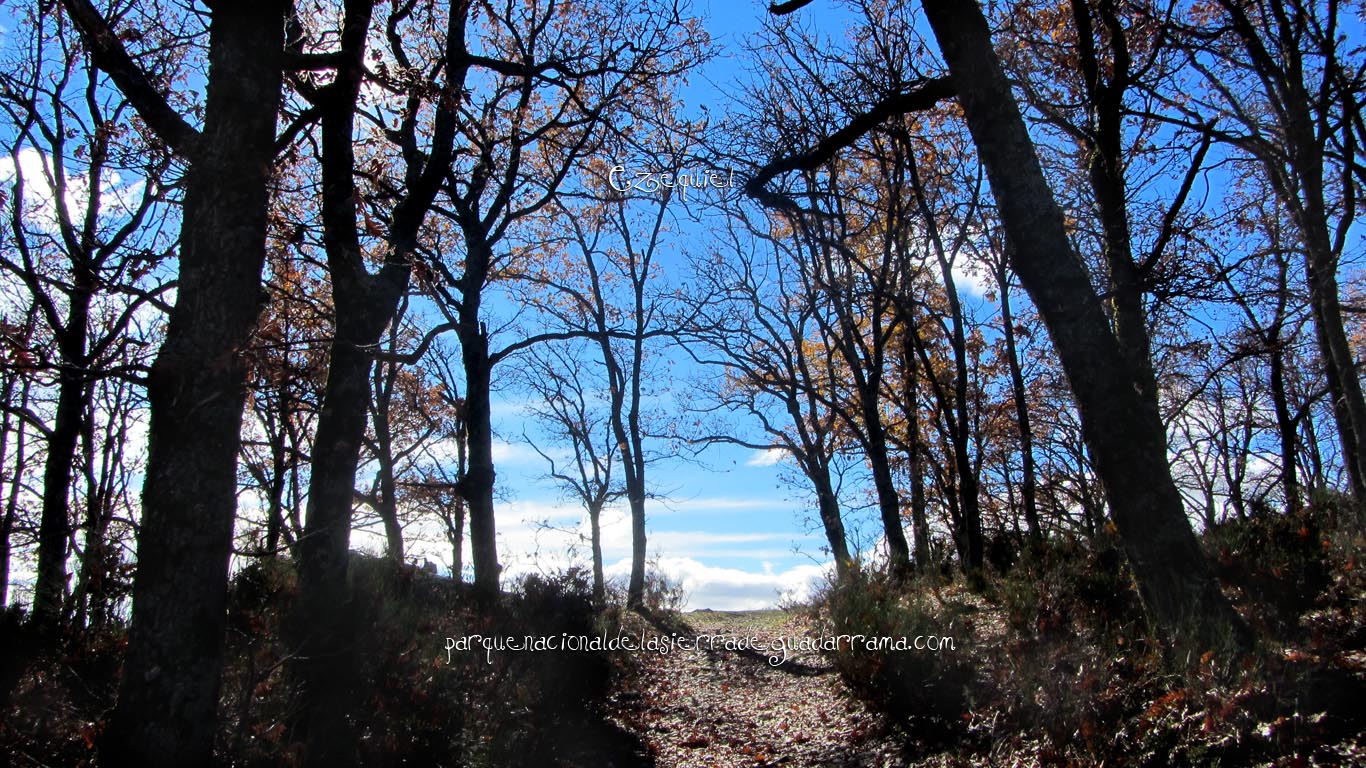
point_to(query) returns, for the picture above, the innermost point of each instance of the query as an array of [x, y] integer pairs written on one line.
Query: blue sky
[[736, 526], [729, 524]]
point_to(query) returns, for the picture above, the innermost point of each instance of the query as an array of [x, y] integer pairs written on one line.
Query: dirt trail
[[728, 707]]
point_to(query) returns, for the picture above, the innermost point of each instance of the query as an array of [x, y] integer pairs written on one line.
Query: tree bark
[[54, 527], [73, 401], [364, 305], [1121, 426], [1028, 482], [168, 696], [384, 458], [817, 470], [1285, 424], [15, 487], [595, 542], [476, 487]]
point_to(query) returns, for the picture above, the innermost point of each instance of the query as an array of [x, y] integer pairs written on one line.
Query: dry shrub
[[926, 691]]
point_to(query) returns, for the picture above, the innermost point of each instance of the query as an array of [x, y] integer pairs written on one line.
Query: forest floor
[[727, 706]]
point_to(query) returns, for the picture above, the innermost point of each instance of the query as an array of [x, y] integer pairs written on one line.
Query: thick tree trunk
[[168, 697], [363, 305], [324, 557], [1122, 428]]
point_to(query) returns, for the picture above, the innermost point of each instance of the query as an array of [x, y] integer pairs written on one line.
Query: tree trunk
[[279, 478], [1028, 483], [54, 528], [168, 696], [385, 374], [828, 507], [970, 530], [73, 396], [1122, 428], [920, 528], [476, 487], [634, 456], [15, 487], [90, 594], [324, 556], [457, 537], [1344, 383], [888, 499], [595, 541], [1296, 171], [633, 466]]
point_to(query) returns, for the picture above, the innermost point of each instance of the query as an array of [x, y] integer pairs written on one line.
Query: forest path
[[728, 707]]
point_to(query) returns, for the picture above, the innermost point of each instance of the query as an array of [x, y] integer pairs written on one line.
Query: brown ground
[[730, 708]]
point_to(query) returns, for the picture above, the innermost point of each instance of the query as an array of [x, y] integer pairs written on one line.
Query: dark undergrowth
[[1053, 664], [1049, 663], [414, 704]]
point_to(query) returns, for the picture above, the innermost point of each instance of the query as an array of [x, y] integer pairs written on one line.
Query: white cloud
[[514, 453], [971, 280], [766, 458], [552, 535], [38, 174], [732, 589]]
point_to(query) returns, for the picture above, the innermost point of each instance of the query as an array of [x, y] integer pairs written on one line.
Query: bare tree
[[1283, 93], [85, 236], [553, 96], [197, 386], [1119, 416], [757, 328], [574, 408]]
